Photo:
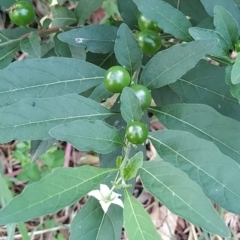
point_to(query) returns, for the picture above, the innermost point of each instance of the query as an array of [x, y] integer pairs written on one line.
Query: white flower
[[106, 197]]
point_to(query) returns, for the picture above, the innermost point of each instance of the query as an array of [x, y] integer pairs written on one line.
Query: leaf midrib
[[206, 89], [196, 166], [53, 83], [195, 127], [174, 194], [59, 193], [180, 62]]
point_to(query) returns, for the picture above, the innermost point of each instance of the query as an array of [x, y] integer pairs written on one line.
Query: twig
[[14, 173], [194, 232], [67, 154], [45, 31]]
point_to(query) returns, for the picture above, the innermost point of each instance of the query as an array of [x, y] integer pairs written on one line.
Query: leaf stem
[[39, 32]]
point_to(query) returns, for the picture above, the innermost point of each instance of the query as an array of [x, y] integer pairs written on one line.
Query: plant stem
[[38, 22], [125, 160], [135, 76], [39, 32], [23, 230], [45, 31]]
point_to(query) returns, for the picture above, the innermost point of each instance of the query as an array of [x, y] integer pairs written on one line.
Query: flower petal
[[105, 191], [115, 195], [118, 202], [96, 194], [105, 205]]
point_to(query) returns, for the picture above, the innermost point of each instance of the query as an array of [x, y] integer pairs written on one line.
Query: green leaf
[[63, 187], [226, 26], [109, 160], [38, 147], [46, 23], [134, 163], [165, 95], [31, 119], [47, 50], [129, 12], [181, 196], [186, 56], [78, 52], [206, 84], [96, 38], [62, 16], [61, 49], [6, 197], [89, 135], [220, 49], [167, 17], [31, 171], [9, 35], [204, 122], [6, 55], [235, 74], [234, 88], [192, 8], [130, 106], [31, 45], [137, 221], [85, 8], [104, 61], [223, 60], [207, 23], [92, 223], [100, 93], [204, 164], [47, 78], [127, 49], [7, 3], [229, 5]]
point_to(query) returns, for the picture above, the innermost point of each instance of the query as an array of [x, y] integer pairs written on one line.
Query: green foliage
[[62, 16], [127, 50], [175, 185], [129, 12], [192, 8], [133, 166], [226, 26], [221, 49], [55, 77], [92, 223], [31, 119], [229, 5], [85, 135], [189, 54], [31, 45], [51, 189], [183, 150], [63, 92], [96, 38], [220, 130], [135, 217], [130, 106], [167, 17], [85, 8]]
